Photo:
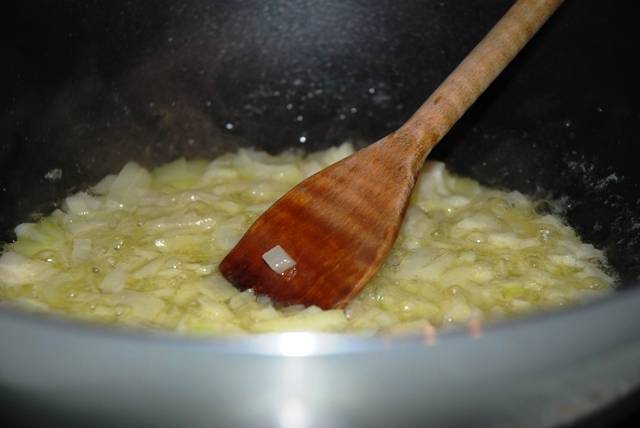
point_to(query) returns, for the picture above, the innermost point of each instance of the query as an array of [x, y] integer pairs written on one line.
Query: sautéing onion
[[141, 249]]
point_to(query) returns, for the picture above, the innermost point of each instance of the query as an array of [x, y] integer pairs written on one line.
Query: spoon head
[[338, 227]]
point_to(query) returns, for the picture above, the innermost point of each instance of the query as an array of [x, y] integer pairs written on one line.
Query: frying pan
[[89, 85]]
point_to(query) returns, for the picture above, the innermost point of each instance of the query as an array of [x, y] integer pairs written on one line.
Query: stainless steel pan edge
[[539, 371]]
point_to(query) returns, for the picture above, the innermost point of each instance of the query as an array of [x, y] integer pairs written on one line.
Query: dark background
[[87, 85]]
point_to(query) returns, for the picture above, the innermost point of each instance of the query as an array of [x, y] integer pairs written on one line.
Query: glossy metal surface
[[536, 372]]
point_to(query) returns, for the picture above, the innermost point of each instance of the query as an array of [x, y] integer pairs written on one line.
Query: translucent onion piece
[[142, 247]]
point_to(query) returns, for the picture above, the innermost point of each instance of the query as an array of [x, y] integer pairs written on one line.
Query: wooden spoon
[[339, 225]]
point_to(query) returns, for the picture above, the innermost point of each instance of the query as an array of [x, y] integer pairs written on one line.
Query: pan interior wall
[[91, 85]]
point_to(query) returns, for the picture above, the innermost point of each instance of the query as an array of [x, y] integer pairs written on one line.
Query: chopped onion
[[114, 281], [142, 250], [16, 269], [278, 259], [81, 250]]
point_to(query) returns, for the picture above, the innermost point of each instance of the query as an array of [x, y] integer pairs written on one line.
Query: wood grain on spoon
[[339, 225]]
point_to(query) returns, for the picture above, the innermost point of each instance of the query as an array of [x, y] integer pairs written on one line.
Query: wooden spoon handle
[[475, 73]]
